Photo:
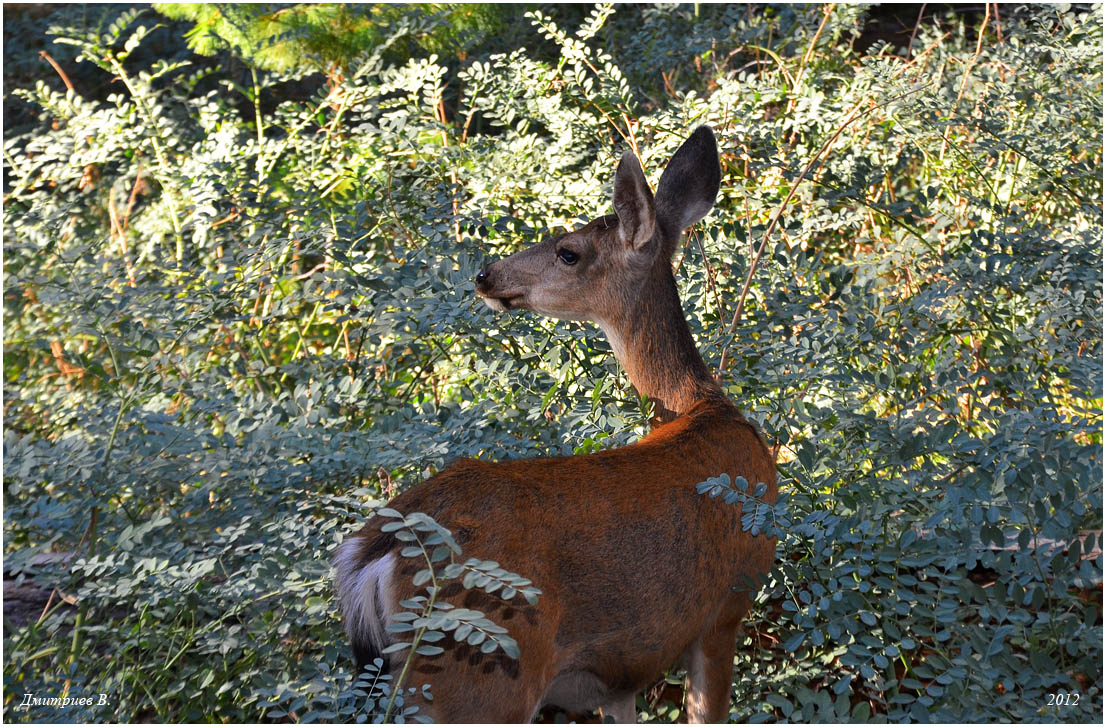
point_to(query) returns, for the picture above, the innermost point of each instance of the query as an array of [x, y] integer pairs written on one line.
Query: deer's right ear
[[633, 203], [690, 182]]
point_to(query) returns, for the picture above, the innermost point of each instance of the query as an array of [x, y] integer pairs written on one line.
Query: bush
[[229, 335]]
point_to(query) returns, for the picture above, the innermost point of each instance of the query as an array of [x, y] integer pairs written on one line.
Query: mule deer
[[638, 571]]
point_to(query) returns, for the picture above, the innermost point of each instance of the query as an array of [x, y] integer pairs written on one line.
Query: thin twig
[[912, 61], [710, 274], [826, 12], [853, 116], [52, 62], [632, 139], [668, 86], [968, 70], [629, 129], [975, 56], [452, 169], [46, 608], [229, 218], [471, 113], [392, 206], [775, 57], [917, 24], [118, 228], [304, 276], [133, 197]]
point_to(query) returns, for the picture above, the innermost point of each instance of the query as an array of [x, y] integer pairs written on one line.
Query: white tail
[[639, 572]]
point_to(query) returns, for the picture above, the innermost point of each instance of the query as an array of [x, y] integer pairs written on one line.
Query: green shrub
[[228, 336], [324, 36]]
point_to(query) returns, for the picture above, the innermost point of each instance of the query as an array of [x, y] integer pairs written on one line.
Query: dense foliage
[[236, 319]]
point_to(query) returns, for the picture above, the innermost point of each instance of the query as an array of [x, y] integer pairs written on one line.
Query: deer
[[639, 572]]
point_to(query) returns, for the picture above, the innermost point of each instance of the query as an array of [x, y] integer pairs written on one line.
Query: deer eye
[[567, 256]]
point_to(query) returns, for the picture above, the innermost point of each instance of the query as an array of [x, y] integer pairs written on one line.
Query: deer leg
[[709, 664], [623, 710]]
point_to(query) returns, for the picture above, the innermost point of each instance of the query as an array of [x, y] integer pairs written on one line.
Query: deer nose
[[481, 276]]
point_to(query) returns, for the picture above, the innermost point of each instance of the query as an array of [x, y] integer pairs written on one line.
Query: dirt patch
[[23, 603]]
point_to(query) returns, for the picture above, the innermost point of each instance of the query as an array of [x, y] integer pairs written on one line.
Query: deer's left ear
[[633, 203]]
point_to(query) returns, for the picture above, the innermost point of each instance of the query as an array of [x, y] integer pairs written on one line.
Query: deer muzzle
[[496, 298]]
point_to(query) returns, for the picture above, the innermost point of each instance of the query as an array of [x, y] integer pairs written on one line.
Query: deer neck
[[652, 341]]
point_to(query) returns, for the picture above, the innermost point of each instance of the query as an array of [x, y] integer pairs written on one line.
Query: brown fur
[[635, 566]]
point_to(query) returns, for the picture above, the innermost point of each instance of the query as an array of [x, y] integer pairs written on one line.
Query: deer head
[[617, 271]]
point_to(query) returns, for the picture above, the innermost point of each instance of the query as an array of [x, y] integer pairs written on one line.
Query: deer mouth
[[501, 303]]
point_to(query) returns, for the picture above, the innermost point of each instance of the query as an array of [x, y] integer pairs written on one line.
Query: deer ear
[[633, 203], [689, 184]]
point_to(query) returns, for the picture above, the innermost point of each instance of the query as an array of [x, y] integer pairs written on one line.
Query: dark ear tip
[[628, 159], [704, 135]]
